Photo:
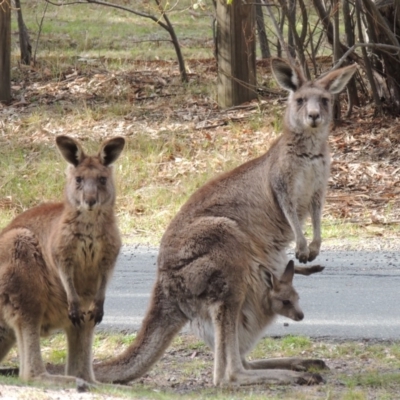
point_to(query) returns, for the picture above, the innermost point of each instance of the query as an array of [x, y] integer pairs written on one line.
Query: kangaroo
[[55, 262], [230, 235]]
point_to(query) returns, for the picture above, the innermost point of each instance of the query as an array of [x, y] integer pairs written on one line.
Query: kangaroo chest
[[311, 177], [82, 248], [88, 250]]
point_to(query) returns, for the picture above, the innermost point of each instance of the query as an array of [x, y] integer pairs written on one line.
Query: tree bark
[[5, 51], [236, 53], [350, 38], [336, 55], [368, 67], [291, 14], [175, 42], [382, 30], [262, 35], [24, 41]]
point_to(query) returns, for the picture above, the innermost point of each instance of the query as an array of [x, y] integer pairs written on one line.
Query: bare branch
[[117, 6], [372, 45], [39, 33]]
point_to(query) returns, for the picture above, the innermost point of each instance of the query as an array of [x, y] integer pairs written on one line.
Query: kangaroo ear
[[268, 279], [70, 149], [288, 77], [287, 276], [337, 80], [111, 149]]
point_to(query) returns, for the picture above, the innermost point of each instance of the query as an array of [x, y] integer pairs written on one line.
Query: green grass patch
[[358, 370], [93, 31]]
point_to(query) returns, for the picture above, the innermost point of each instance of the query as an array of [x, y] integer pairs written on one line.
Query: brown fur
[[217, 253], [55, 262]]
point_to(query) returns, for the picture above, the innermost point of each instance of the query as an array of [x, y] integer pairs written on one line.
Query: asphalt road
[[356, 296]]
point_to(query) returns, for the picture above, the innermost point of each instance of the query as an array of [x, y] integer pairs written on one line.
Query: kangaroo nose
[[300, 316], [313, 116], [91, 202]]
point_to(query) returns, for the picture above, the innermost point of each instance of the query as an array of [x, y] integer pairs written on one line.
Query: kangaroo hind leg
[[7, 341], [80, 342]]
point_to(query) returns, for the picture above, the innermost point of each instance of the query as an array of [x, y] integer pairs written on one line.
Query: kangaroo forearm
[[66, 276]]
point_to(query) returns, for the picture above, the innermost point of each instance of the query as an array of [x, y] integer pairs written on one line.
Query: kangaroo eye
[[286, 302], [78, 179], [325, 101], [300, 101], [103, 180]]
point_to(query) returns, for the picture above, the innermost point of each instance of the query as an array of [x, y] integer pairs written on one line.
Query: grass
[[90, 31], [360, 370]]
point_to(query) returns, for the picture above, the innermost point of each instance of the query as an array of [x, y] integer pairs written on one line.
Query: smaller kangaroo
[[220, 250], [55, 262]]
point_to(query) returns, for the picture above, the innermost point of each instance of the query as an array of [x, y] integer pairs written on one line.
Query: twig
[[202, 125], [39, 33], [155, 97], [373, 45], [117, 6]]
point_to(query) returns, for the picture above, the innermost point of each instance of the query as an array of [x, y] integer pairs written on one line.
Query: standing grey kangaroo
[[55, 262], [218, 254]]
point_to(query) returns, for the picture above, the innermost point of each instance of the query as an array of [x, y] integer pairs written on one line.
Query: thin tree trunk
[[328, 27], [262, 35], [24, 41], [299, 45], [291, 14], [175, 42], [378, 24], [368, 68], [336, 55], [5, 51], [350, 37]]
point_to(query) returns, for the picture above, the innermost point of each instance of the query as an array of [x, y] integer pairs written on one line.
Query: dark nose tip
[[91, 202], [300, 316], [313, 117]]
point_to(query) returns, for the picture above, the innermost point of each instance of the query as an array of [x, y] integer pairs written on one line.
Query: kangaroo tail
[[162, 322]]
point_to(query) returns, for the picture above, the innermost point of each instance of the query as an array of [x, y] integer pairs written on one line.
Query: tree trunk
[[236, 53], [24, 41], [5, 51], [262, 35], [291, 14], [350, 38], [368, 67], [384, 27], [170, 29], [336, 55], [296, 38]]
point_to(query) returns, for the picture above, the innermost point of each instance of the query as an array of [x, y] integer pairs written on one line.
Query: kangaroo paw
[[97, 313], [75, 314], [309, 379], [313, 269]]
